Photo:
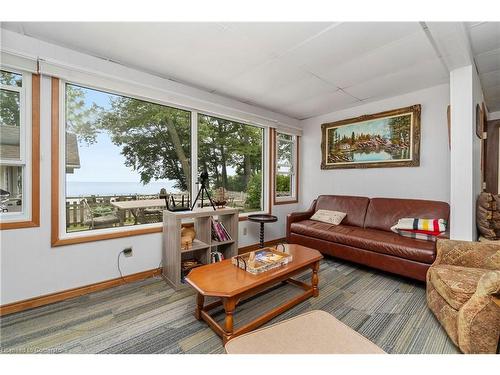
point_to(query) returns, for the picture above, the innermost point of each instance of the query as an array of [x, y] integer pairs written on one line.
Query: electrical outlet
[[127, 252], [245, 231]]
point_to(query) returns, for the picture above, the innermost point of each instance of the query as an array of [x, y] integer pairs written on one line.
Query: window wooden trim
[[35, 161], [55, 181], [274, 157]]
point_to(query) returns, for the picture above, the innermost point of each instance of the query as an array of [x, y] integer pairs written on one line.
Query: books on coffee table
[[262, 260]]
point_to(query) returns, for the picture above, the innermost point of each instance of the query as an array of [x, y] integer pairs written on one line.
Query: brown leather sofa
[[365, 237]]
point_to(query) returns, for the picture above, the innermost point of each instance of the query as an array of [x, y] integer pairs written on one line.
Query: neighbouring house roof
[[9, 142], [72, 155], [9, 146]]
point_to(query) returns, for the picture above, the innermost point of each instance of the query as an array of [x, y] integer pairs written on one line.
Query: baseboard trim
[[47, 299], [75, 292]]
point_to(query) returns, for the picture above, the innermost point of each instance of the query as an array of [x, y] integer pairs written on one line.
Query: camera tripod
[[203, 190]]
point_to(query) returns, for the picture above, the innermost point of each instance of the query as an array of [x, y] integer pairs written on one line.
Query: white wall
[[30, 267], [429, 181], [465, 184]]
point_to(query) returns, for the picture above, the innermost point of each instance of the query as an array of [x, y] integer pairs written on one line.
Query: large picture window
[[120, 150], [232, 154], [19, 131]]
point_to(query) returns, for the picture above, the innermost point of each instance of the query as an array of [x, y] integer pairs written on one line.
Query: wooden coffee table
[[233, 285]]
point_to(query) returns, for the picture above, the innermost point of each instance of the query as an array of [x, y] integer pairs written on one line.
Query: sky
[[373, 127]]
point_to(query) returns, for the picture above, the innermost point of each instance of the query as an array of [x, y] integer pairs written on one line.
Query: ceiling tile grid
[[300, 69]]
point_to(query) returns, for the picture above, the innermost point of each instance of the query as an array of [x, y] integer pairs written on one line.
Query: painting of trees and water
[[381, 140]]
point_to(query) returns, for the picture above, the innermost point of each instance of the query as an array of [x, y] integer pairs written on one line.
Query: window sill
[[19, 224], [285, 201]]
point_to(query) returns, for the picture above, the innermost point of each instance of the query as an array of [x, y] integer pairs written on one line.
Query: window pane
[[284, 165], [9, 125], [121, 149], [11, 189], [283, 185], [284, 156], [11, 79], [231, 153]]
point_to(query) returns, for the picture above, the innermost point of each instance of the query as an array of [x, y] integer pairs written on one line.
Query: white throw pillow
[[330, 217]]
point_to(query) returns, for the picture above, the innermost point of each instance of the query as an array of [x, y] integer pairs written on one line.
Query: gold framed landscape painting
[[386, 139]]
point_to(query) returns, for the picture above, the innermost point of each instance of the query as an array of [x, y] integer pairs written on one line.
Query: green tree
[[9, 100], [254, 192], [155, 139], [80, 118], [400, 129], [224, 144], [283, 184]]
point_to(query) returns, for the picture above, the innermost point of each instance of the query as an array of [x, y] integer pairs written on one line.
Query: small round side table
[[262, 219]]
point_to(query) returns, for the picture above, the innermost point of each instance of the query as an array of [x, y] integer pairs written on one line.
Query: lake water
[[81, 188], [379, 155]]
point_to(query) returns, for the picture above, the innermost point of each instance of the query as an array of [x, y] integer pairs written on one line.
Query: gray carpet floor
[[150, 317]]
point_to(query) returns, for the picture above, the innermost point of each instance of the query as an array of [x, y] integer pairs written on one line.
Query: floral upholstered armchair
[[463, 292]]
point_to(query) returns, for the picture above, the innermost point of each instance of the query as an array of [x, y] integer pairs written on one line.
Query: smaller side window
[[286, 155]]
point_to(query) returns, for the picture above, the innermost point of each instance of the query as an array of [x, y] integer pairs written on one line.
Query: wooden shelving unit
[[172, 254]]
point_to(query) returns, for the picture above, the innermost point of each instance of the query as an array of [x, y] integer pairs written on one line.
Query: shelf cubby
[[203, 245]]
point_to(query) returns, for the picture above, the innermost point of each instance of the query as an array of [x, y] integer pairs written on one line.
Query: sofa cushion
[[454, 283], [383, 213], [369, 239], [354, 207]]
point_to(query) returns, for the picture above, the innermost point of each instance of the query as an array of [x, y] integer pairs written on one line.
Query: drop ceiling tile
[[485, 37], [493, 103], [492, 91], [175, 50], [321, 104], [414, 78], [488, 61], [277, 37], [296, 91], [382, 61], [490, 79], [348, 40], [265, 78]]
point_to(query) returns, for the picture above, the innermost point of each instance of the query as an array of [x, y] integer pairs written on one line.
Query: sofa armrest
[[293, 217], [479, 317], [468, 254], [489, 284]]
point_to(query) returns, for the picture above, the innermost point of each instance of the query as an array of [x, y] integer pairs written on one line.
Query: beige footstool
[[315, 332]]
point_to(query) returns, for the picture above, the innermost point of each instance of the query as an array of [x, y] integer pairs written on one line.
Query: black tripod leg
[[196, 199]]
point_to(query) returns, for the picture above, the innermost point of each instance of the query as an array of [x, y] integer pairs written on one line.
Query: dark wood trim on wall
[[54, 150], [31, 303], [491, 162], [35, 161]]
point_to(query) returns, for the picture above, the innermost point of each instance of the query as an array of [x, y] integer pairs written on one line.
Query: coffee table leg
[[200, 300], [229, 306], [315, 279]]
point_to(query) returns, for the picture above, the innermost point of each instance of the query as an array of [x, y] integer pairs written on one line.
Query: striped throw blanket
[[430, 225], [421, 229]]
